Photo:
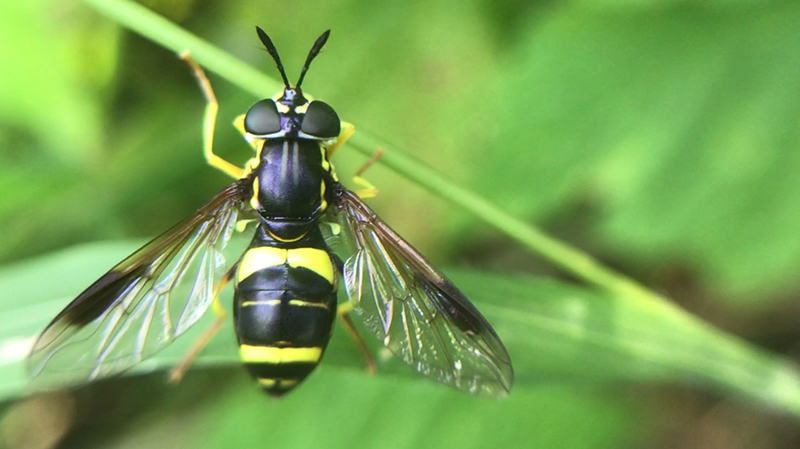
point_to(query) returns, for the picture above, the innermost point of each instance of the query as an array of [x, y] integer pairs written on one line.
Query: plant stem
[[785, 391], [167, 34]]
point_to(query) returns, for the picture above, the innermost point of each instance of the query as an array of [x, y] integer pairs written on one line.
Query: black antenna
[[312, 54], [274, 53]]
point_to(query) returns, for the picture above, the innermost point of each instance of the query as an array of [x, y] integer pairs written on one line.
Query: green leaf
[[342, 409], [680, 123], [60, 111], [554, 333]]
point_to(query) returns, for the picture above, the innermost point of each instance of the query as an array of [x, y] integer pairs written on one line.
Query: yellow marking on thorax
[[252, 164], [323, 204], [247, 170], [273, 355], [326, 164], [284, 161], [286, 240], [329, 167], [254, 199], [314, 259]]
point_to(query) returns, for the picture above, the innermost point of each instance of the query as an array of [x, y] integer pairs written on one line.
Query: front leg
[[212, 107]]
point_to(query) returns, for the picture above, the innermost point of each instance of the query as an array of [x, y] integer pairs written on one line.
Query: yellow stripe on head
[[302, 108]]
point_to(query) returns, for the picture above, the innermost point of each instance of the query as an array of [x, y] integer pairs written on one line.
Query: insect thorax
[[290, 186]]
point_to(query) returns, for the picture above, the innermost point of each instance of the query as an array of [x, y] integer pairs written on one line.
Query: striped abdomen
[[284, 308]]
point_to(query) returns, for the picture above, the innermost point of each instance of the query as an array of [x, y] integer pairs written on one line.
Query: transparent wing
[[415, 310], [142, 304]]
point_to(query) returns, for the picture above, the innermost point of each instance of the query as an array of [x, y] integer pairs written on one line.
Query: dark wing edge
[[414, 309], [143, 303]]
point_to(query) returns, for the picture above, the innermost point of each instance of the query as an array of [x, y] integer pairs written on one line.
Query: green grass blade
[[632, 333], [554, 332], [168, 34]]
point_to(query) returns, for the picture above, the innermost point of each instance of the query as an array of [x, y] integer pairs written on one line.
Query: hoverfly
[[285, 283]]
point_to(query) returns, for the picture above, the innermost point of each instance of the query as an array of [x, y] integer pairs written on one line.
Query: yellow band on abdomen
[[256, 259], [259, 258], [273, 355], [266, 382], [316, 260]]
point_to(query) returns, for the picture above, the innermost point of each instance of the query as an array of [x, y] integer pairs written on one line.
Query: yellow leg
[[369, 190], [343, 312], [212, 106], [179, 371], [347, 130]]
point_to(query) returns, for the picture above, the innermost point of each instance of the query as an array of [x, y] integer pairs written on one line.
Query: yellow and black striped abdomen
[[284, 309]]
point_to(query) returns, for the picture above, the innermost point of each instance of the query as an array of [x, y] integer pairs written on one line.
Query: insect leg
[[343, 311], [368, 190], [212, 106], [179, 371], [347, 130]]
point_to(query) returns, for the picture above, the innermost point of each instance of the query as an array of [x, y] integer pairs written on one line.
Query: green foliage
[[680, 122], [552, 339], [673, 122]]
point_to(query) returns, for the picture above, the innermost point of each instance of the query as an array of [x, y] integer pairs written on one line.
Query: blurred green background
[[661, 137]]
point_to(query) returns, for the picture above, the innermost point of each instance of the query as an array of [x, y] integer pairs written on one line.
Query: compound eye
[[321, 121], [262, 118]]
